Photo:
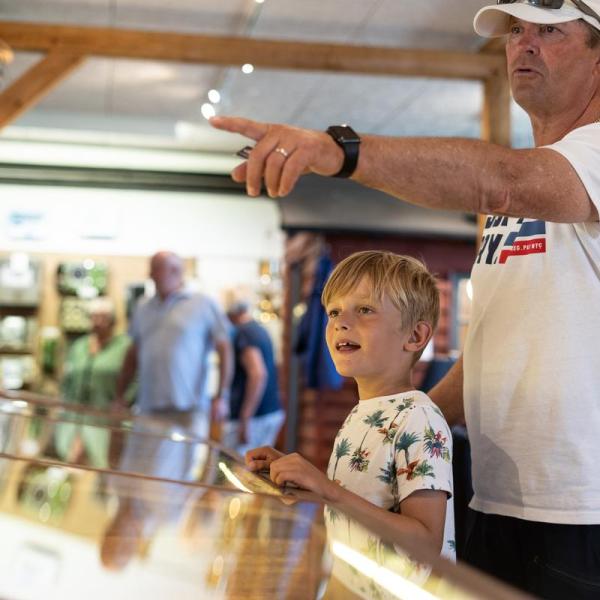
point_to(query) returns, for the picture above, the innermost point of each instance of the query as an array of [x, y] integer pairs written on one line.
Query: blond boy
[[392, 455]]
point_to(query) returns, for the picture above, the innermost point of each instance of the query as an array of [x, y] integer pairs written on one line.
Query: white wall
[[131, 222]]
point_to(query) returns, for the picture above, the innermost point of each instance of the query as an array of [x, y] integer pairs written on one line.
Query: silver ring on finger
[[282, 151]]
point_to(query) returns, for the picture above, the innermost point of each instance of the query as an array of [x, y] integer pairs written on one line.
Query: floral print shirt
[[388, 448]]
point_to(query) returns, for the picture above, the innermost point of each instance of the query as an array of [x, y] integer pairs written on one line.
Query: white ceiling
[[161, 101]]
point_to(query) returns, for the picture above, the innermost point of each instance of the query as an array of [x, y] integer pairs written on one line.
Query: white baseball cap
[[494, 20]]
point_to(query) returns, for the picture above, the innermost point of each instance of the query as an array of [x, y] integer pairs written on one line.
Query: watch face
[[344, 134]]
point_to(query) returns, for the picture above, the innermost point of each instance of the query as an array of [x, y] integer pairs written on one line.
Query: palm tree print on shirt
[[359, 460], [389, 477], [388, 474], [414, 468], [342, 449], [435, 444], [390, 432], [405, 441]]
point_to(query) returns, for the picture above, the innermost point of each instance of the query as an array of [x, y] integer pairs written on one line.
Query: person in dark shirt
[[256, 414]]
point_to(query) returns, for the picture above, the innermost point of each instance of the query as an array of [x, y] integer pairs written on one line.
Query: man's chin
[[526, 95]]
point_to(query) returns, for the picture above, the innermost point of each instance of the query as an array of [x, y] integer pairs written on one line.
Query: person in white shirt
[[528, 381]]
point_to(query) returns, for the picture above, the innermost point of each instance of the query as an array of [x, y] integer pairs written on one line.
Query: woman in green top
[[91, 368]]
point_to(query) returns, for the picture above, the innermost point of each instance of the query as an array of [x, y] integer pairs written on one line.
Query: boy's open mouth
[[347, 346]]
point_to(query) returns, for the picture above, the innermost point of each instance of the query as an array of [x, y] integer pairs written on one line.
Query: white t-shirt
[[387, 448], [532, 360]]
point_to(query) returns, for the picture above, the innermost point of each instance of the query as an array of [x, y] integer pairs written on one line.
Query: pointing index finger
[[246, 127]]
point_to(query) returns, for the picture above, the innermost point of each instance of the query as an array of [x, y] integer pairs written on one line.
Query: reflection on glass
[[181, 518], [365, 566]]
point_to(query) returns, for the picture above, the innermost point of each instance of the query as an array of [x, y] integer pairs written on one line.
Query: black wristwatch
[[349, 141]]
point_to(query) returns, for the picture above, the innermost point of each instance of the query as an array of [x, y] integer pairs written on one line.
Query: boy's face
[[365, 338]]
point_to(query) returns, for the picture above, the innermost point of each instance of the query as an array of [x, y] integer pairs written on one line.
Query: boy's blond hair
[[404, 279]]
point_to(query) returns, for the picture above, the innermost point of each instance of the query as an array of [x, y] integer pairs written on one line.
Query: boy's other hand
[[259, 459], [295, 469]]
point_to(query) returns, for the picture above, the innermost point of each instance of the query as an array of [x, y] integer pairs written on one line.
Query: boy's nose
[[341, 325]]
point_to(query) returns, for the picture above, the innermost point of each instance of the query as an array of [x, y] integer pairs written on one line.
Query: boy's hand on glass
[[295, 469], [260, 459]]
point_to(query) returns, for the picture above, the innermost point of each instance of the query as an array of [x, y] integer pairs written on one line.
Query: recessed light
[[208, 110]]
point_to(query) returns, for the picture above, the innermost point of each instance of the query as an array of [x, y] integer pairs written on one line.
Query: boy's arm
[[448, 394], [422, 516]]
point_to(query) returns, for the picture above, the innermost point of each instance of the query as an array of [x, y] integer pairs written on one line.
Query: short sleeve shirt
[[253, 335], [392, 446], [174, 339], [531, 362]]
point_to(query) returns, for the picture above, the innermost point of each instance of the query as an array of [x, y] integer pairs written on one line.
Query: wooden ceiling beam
[[225, 50], [494, 46], [35, 83]]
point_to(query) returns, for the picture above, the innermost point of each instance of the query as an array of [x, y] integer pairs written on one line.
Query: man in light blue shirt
[[173, 335]]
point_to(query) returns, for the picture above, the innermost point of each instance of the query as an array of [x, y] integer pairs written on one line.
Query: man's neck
[[165, 297], [548, 129]]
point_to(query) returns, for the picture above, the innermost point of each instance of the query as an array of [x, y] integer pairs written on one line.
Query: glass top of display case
[[207, 529]]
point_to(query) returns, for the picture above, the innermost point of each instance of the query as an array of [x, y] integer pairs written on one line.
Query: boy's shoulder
[[413, 399], [417, 409], [404, 407]]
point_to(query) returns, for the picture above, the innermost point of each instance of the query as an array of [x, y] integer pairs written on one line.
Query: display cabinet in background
[[20, 290]]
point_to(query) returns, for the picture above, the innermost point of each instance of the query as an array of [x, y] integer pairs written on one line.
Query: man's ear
[[419, 336]]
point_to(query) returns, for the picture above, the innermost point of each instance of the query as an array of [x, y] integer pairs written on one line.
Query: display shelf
[[19, 310], [16, 351]]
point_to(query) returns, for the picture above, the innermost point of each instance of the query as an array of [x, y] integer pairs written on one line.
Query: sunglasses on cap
[[557, 4]]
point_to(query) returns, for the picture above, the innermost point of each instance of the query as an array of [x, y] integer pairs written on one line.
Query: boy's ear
[[419, 336]]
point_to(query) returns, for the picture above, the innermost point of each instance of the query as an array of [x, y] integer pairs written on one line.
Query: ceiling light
[[214, 96], [208, 110], [6, 53], [247, 68], [259, 1]]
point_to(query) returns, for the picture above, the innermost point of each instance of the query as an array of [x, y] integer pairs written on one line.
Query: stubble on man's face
[[550, 71]]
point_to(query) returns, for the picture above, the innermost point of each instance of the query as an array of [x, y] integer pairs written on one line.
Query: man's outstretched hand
[[281, 154]]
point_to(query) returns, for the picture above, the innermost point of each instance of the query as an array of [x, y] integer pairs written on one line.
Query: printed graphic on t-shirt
[[507, 237]]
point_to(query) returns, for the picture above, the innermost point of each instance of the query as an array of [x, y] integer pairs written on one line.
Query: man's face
[[550, 67], [167, 276]]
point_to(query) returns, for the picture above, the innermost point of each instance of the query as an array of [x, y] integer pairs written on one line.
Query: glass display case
[[175, 517]]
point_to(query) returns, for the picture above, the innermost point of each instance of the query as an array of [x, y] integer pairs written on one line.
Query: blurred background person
[[174, 333], [255, 412], [92, 365]]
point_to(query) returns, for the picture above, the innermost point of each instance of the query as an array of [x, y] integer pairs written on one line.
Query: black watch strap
[[349, 141]]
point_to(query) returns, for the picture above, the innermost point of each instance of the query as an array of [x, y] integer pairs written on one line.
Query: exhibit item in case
[[17, 333], [74, 315], [86, 279], [19, 280]]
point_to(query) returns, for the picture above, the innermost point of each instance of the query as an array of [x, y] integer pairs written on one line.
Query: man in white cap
[[529, 379]]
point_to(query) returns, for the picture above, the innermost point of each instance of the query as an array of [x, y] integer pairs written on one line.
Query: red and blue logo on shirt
[[504, 237]]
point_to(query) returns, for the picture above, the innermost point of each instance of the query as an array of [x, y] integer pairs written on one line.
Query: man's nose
[[529, 42]]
